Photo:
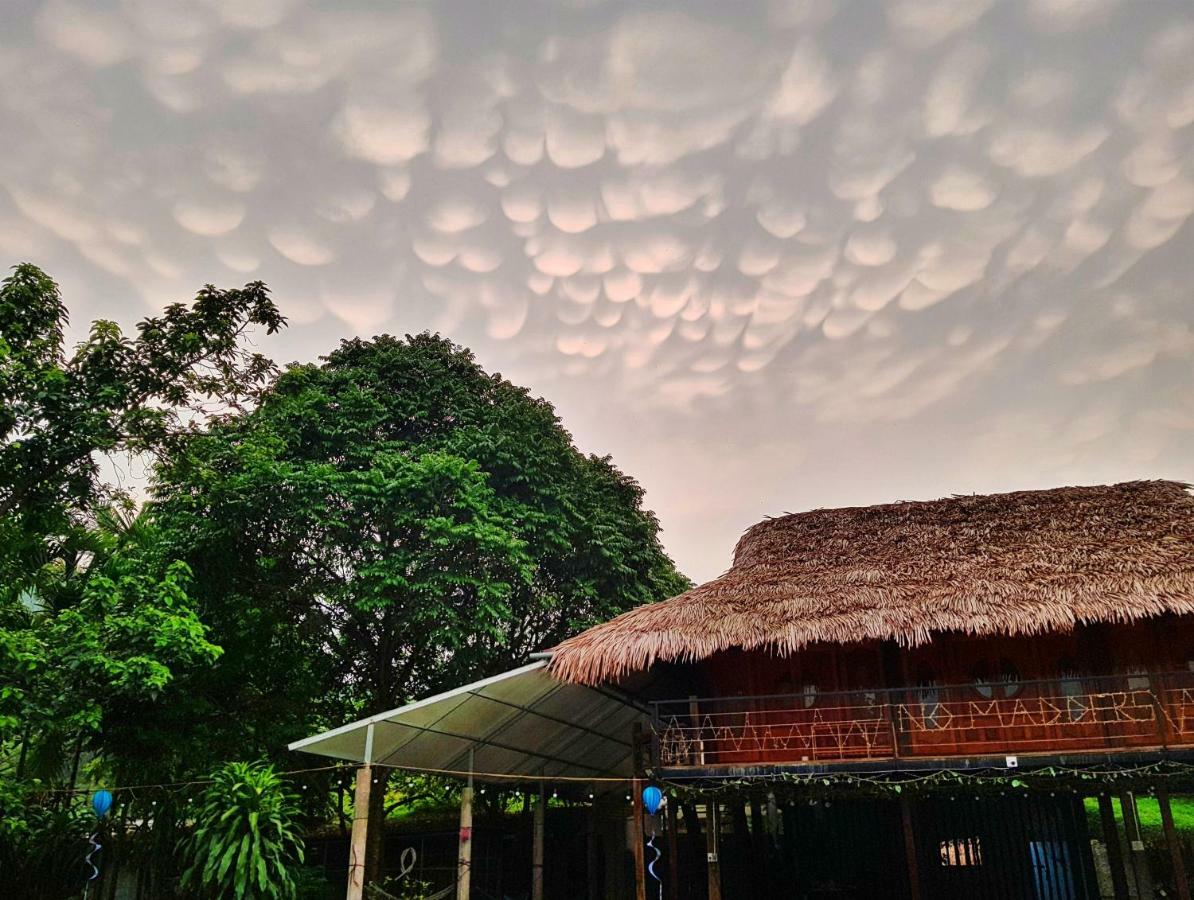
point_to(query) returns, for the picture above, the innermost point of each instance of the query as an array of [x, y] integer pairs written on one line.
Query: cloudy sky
[[770, 255]]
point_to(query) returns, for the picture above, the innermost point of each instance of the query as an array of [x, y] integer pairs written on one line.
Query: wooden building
[[1035, 647]]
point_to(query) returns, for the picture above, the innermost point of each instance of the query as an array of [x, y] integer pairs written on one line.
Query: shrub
[[246, 842]]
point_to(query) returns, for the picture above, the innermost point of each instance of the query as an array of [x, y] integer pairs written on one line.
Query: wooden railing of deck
[[1058, 716]]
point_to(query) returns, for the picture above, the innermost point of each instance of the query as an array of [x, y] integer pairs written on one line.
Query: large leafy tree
[[62, 410], [95, 623], [416, 519], [86, 608]]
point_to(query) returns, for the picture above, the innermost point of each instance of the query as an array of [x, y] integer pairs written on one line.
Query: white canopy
[[522, 722]]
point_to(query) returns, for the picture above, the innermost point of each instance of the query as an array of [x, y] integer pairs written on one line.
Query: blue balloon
[[652, 798], [101, 802]]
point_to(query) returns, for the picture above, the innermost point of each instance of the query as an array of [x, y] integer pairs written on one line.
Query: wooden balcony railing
[[1101, 714]]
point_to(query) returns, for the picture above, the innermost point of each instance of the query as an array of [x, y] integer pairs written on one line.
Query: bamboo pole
[[1180, 883]]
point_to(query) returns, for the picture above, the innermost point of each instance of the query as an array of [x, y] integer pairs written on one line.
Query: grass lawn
[[1150, 814]]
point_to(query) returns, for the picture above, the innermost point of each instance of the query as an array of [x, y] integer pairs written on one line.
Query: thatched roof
[[1020, 563]]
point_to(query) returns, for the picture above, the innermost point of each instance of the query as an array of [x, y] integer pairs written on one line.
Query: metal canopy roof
[[521, 723]]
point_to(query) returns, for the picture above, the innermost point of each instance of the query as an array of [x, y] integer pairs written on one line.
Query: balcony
[[1140, 712]]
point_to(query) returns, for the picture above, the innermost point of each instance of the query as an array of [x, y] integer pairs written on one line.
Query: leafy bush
[[42, 844], [246, 841]]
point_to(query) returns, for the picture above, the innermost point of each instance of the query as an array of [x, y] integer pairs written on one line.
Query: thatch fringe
[[1020, 563]]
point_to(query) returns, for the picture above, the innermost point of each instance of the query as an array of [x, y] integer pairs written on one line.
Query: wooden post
[[910, 848], [464, 858], [1141, 875], [636, 835], [1180, 883], [537, 846], [360, 822], [594, 886], [713, 861], [1115, 853], [673, 849]]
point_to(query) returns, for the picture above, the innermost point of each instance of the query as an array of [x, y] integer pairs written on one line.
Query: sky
[[770, 256]]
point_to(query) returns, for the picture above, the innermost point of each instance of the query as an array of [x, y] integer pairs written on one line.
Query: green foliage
[[393, 521], [41, 845], [95, 624], [62, 669], [359, 532], [246, 841], [60, 410]]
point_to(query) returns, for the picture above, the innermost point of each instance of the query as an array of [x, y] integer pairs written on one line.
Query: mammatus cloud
[[811, 253]]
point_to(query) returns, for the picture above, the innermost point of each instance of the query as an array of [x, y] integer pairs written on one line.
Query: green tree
[[410, 517], [62, 669], [61, 411], [95, 624]]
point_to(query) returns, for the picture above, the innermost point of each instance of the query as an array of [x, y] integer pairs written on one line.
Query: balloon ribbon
[[651, 864]]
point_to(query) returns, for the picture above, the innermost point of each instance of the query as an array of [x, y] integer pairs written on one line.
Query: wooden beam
[[1180, 883], [537, 846], [638, 745], [636, 835], [673, 849], [1115, 852], [593, 852], [713, 860], [910, 848], [1137, 857]]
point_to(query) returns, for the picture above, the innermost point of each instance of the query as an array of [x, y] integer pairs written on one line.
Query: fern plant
[[246, 842]]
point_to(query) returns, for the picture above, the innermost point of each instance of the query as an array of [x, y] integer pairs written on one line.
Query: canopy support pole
[[360, 822], [537, 846], [464, 859]]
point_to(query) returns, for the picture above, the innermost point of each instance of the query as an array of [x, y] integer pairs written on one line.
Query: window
[[809, 693], [930, 699], [1001, 682], [1071, 690], [965, 851], [1009, 678], [983, 682]]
